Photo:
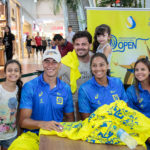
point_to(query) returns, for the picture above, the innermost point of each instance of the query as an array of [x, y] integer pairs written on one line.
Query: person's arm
[[84, 104], [123, 95], [69, 117], [13, 44], [4, 40], [132, 98], [124, 66], [35, 41], [107, 51], [84, 115], [26, 122]]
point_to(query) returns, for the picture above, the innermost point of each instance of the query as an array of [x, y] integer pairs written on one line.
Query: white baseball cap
[[52, 53]]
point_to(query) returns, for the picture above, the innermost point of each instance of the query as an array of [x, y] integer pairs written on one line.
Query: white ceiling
[[46, 17], [45, 11]]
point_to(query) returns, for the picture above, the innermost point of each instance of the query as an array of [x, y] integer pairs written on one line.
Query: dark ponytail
[[19, 84]]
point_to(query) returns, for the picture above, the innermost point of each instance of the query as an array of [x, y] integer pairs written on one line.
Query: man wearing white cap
[[46, 98]]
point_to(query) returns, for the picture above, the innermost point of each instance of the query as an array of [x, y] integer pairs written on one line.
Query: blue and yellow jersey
[[92, 95], [141, 103], [46, 104]]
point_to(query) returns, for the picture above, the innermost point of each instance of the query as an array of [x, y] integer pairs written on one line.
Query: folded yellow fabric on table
[[71, 60], [100, 126], [26, 141]]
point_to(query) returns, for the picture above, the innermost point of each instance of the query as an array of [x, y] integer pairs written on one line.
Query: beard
[[84, 55]]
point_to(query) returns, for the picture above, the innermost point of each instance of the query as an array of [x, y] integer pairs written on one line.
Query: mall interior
[[27, 17], [51, 17]]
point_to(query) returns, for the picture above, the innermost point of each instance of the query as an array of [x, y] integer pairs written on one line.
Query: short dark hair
[[70, 26], [81, 34], [57, 37]]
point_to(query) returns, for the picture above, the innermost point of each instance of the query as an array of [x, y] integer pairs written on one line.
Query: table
[[58, 143]]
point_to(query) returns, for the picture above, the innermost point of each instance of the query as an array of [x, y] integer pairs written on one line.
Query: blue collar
[[58, 84], [98, 85], [140, 87]]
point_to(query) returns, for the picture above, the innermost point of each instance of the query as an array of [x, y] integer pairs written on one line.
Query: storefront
[[27, 30], [14, 21], [3, 21]]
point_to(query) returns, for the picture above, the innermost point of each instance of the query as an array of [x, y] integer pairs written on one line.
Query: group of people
[[70, 88], [38, 43]]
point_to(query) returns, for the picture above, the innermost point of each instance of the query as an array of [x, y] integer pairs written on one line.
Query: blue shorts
[[7, 143]]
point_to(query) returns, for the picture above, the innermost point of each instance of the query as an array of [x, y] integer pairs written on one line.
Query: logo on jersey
[[40, 94], [41, 101], [59, 100], [99, 102], [142, 106], [58, 93], [140, 101], [97, 95], [115, 97], [112, 91]]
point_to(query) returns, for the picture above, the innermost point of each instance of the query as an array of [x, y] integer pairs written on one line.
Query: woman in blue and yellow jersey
[[139, 93], [101, 89]]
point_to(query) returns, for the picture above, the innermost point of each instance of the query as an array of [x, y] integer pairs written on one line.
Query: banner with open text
[[130, 36]]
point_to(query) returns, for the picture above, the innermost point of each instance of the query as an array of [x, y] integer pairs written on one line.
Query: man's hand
[[51, 125]]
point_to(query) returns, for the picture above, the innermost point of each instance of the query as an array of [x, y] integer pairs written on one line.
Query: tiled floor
[[29, 65]]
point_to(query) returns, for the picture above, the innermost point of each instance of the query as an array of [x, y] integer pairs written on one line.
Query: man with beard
[[75, 69]]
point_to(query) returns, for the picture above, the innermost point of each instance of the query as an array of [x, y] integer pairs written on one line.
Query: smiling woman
[[101, 89], [139, 94], [99, 68]]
